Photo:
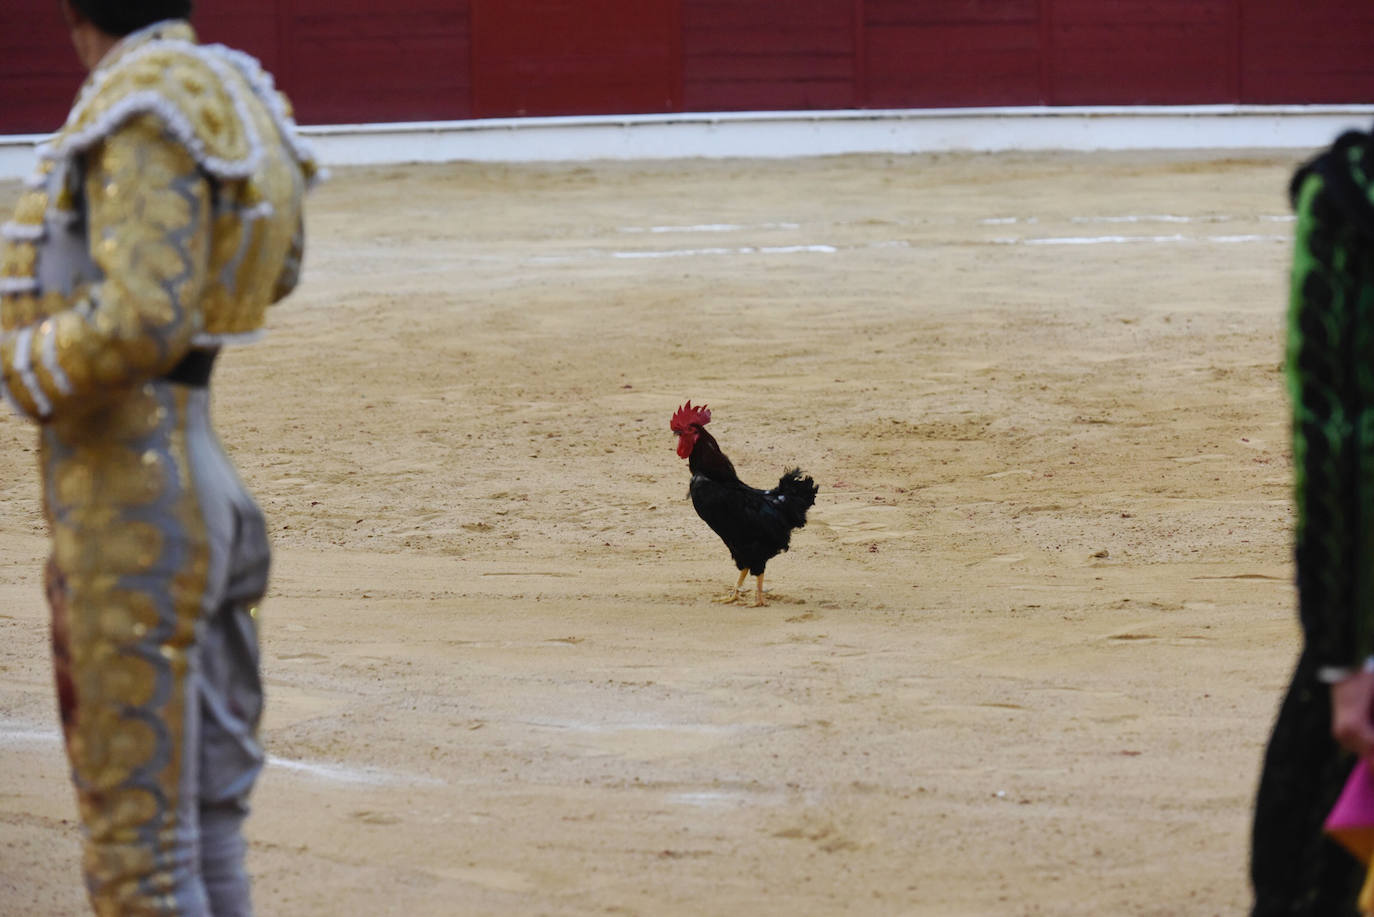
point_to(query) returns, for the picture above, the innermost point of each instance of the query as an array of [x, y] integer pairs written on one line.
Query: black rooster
[[756, 525]]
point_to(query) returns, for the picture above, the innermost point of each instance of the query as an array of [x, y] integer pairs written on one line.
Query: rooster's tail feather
[[797, 493]]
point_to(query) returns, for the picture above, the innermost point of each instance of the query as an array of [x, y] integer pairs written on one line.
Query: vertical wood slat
[[1150, 52], [564, 57], [1301, 51], [677, 65], [1236, 81], [955, 52], [39, 69], [351, 63], [1046, 52], [769, 54], [860, 37], [286, 71]]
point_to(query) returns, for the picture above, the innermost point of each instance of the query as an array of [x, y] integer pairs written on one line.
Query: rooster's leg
[[758, 591], [732, 596]]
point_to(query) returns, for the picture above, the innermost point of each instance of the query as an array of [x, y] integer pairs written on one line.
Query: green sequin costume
[[1295, 869]]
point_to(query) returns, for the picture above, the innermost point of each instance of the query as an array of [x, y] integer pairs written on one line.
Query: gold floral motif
[[107, 366], [126, 859], [66, 545], [130, 480], [94, 724], [134, 742], [52, 303], [148, 215], [128, 616], [211, 119], [31, 207], [74, 483], [133, 807], [137, 413], [183, 80], [135, 546], [21, 260], [18, 311], [109, 749]]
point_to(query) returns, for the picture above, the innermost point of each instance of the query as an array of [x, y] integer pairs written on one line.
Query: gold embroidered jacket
[[164, 215]]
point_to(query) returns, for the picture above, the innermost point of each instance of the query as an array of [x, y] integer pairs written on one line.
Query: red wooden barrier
[[1160, 52], [752, 55], [958, 52], [39, 72], [566, 57], [357, 61], [1301, 51]]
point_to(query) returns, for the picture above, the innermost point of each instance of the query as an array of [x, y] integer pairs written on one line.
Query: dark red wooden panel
[[951, 52], [39, 70], [248, 25], [962, 12], [350, 60], [768, 54], [561, 57], [346, 61], [953, 64], [1127, 52], [1306, 52]]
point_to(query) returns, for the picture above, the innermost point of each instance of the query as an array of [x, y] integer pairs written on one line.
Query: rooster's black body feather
[[756, 525]]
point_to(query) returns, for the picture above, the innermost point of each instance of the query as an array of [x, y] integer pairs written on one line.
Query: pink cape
[[1351, 821]]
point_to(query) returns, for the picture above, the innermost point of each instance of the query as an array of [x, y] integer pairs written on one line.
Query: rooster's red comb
[[687, 415]]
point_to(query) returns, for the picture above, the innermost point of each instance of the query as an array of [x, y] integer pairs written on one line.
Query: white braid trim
[[207, 340], [221, 68], [22, 232], [49, 354], [152, 102], [23, 366], [38, 181], [260, 81], [263, 211], [10, 286]]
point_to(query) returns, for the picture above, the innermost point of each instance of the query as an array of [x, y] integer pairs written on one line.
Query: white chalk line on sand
[[985, 221], [1125, 240], [709, 227], [343, 773], [745, 250], [643, 724], [826, 249], [831, 249], [18, 734], [1146, 218]]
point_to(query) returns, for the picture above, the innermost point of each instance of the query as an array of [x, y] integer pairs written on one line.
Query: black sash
[[194, 368]]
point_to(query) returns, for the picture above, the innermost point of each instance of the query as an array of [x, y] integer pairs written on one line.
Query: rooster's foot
[[734, 596]]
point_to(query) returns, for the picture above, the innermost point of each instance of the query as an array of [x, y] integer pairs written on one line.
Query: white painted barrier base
[[813, 133]]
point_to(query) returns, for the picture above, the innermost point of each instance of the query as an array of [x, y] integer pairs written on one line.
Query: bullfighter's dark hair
[[120, 17]]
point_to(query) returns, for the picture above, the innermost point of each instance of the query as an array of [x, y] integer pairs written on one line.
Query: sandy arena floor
[[1022, 660]]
